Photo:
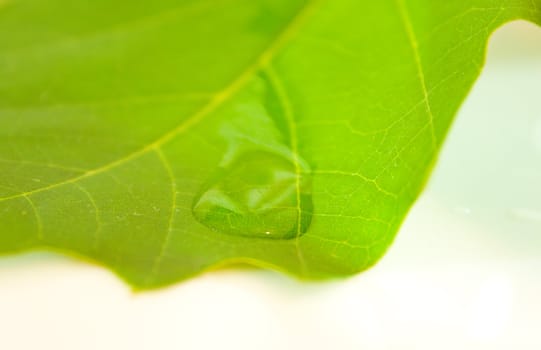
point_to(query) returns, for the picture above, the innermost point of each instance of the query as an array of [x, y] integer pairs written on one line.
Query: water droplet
[[258, 195]]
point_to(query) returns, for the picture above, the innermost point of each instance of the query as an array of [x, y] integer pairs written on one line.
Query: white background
[[464, 272]]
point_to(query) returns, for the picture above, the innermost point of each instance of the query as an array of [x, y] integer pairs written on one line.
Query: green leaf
[[164, 138]]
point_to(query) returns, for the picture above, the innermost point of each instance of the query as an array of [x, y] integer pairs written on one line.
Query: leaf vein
[[408, 26], [195, 118], [165, 244], [39, 223], [97, 214], [294, 145]]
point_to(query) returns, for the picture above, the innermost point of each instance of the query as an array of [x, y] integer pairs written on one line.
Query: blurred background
[[463, 273]]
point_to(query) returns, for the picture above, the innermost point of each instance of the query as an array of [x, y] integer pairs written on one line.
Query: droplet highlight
[[259, 195]]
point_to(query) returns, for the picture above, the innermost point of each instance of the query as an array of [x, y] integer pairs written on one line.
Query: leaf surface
[[164, 138]]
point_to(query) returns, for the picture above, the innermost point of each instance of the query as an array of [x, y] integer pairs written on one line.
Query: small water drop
[[258, 195]]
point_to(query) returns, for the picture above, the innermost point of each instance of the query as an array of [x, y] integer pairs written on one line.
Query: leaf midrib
[[220, 98]]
